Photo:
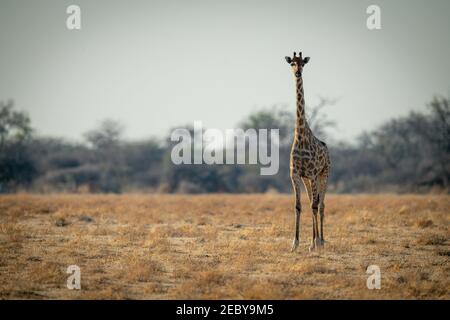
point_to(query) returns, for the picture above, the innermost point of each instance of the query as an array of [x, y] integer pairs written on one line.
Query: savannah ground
[[222, 246]]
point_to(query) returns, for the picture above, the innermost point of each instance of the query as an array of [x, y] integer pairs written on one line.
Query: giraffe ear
[[305, 61], [288, 59]]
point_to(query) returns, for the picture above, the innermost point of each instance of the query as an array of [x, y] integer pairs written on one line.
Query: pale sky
[[154, 65]]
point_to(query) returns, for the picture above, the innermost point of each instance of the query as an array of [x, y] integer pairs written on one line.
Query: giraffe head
[[297, 63]]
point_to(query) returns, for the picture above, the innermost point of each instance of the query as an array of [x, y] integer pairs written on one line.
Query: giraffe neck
[[300, 126]]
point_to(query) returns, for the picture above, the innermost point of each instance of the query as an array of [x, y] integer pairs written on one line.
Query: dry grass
[[221, 246]]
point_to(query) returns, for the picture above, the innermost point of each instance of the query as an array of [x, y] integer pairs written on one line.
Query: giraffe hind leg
[[307, 184], [323, 189], [314, 206], [298, 210]]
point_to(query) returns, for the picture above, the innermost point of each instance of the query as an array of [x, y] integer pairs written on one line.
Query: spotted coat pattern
[[309, 155], [309, 164]]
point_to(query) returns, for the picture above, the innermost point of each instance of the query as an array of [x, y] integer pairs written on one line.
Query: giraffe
[[310, 162]]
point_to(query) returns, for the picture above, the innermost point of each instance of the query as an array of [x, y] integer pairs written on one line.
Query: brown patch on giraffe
[[309, 155]]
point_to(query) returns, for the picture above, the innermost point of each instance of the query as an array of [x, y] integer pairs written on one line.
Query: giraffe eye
[[292, 64]]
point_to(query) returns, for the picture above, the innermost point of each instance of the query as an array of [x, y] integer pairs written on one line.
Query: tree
[[16, 163], [275, 117], [318, 120], [109, 158], [106, 136], [14, 125]]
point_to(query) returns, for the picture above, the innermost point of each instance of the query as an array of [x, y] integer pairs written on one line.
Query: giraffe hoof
[[318, 242], [312, 246], [294, 245]]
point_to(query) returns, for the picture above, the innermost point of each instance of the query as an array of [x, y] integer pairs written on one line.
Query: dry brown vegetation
[[221, 246]]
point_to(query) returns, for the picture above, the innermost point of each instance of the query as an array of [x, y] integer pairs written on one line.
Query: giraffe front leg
[[323, 188], [296, 240], [316, 241], [298, 210], [322, 216], [314, 206], [312, 246]]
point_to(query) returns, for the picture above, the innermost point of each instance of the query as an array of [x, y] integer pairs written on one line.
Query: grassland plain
[[137, 246]]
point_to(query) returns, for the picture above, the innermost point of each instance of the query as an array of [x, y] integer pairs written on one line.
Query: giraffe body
[[310, 163], [309, 157]]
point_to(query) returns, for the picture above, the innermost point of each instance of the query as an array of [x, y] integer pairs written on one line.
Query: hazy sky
[[158, 64]]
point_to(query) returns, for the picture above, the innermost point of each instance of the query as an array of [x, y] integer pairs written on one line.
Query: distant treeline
[[407, 154]]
